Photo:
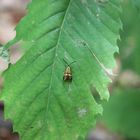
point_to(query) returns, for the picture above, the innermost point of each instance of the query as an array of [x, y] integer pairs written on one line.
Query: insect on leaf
[[37, 99]]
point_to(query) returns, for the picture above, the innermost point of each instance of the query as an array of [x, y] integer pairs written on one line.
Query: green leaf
[[37, 99], [122, 112], [130, 39], [136, 3]]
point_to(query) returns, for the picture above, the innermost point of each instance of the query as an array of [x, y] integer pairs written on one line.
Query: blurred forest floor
[[11, 11]]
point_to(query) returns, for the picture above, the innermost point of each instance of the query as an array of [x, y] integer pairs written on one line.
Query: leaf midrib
[[55, 54]]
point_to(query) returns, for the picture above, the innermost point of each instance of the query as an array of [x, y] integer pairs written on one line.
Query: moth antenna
[[71, 63], [67, 62]]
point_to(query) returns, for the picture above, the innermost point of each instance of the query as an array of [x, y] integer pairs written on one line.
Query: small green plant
[[122, 112]]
